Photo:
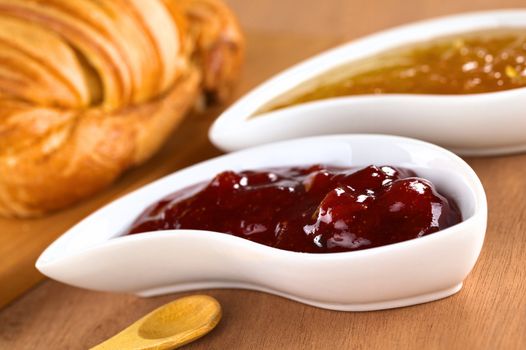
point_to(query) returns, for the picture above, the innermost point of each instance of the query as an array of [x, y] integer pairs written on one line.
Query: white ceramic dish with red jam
[[471, 124], [96, 255]]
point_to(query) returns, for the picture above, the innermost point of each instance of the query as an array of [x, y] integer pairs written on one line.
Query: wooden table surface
[[488, 313]]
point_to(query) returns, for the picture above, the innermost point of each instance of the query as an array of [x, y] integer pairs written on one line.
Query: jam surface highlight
[[489, 61], [317, 209]]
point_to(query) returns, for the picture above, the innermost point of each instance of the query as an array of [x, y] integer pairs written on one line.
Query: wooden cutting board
[[22, 241]]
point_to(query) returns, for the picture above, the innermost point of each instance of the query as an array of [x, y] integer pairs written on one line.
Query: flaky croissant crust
[[89, 88]]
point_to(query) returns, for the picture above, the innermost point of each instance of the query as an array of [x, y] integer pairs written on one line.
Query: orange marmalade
[[489, 61]]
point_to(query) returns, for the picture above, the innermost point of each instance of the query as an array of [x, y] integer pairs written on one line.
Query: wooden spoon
[[170, 326]]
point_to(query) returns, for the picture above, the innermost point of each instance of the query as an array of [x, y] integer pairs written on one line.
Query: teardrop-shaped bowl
[[471, 124], [94, 254]]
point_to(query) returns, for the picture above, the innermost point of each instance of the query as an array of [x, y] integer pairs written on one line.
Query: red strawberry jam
[[319, 209]]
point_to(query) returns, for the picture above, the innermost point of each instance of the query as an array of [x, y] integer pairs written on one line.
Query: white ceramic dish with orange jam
[[469, 124]]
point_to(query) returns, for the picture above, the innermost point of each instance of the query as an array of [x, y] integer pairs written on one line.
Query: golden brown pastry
[[89, 88]]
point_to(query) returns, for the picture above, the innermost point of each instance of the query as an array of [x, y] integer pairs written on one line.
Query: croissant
[[90, 88]]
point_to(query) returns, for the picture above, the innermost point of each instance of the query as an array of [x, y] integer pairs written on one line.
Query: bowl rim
[[343, 101]]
